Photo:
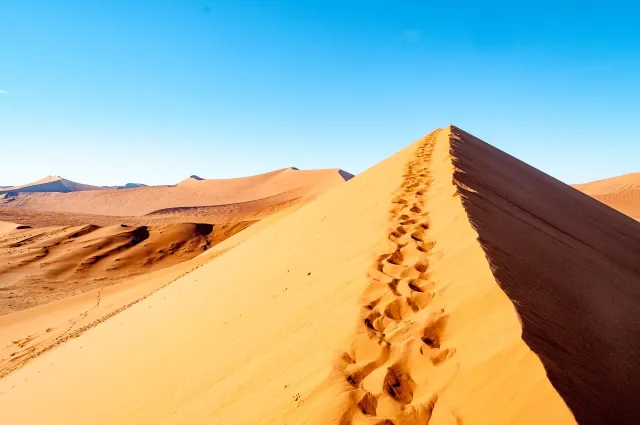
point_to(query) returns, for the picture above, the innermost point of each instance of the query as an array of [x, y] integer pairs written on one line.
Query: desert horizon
[[419, 345], [270, 212]]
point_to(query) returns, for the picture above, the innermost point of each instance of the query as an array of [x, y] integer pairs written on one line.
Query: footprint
[[419, 300], [399, 385], [371, 321], [400, 287], [368, 404], [432, 333], [442, 356], [418, 235], [398, 309], [399, 200]]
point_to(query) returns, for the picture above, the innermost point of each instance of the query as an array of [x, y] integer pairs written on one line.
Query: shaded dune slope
[[570, 265]]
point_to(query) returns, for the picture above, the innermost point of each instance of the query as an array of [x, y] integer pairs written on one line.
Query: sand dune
[[60, 255], [41, 265], [32, 332], [440, 286], [570, 265], [621, 193], [278, 186], [217, 214], [50, 184]]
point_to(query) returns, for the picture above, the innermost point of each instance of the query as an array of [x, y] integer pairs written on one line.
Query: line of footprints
[[397, 345]]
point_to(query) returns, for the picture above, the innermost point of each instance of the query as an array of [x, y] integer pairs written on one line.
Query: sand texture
[[64, 272], [40, 265], [621, 193], [570, 266], [206, 197], [449, 284]]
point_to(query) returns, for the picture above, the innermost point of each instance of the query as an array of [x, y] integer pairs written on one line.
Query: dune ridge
[[51, 184], [444, 258], [279, 186], [420, 354], [401, 288]]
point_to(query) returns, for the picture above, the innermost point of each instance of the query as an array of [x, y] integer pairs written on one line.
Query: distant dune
[[126, 186], [51, 184], [279, 186], [621, 193]]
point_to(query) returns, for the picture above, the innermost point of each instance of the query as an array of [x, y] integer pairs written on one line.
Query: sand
[[621, 193], [50, 184], [41, 265], [440, 286], [60, 254], [66, 272], [30, 333], [570, 266], [206, 197]]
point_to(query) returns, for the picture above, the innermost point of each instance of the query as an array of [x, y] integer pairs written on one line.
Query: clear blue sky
[[109, 92]]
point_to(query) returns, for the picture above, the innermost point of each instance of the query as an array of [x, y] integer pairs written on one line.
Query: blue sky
[[109, 92]]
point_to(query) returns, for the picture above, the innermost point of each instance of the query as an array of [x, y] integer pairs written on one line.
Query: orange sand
[[376, 303], [41, 265], [32, 332], [50, 184], [260, 191], [621, 193], [66, 253]]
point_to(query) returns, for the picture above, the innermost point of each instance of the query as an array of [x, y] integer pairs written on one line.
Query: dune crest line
[[398, 337]]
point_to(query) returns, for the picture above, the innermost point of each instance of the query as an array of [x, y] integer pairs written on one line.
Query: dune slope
[[570, 265], [41, 265], [373, 304], [286, 185], [621, 193], [51, 184]]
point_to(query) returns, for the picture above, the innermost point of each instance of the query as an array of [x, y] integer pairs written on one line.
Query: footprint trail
[[398, 342]]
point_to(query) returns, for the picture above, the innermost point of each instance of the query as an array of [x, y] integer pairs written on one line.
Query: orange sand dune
[[440, 286], [45, 264], [32, 332], [217, 214], [621, 193], [277, 186], [50, 184]]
